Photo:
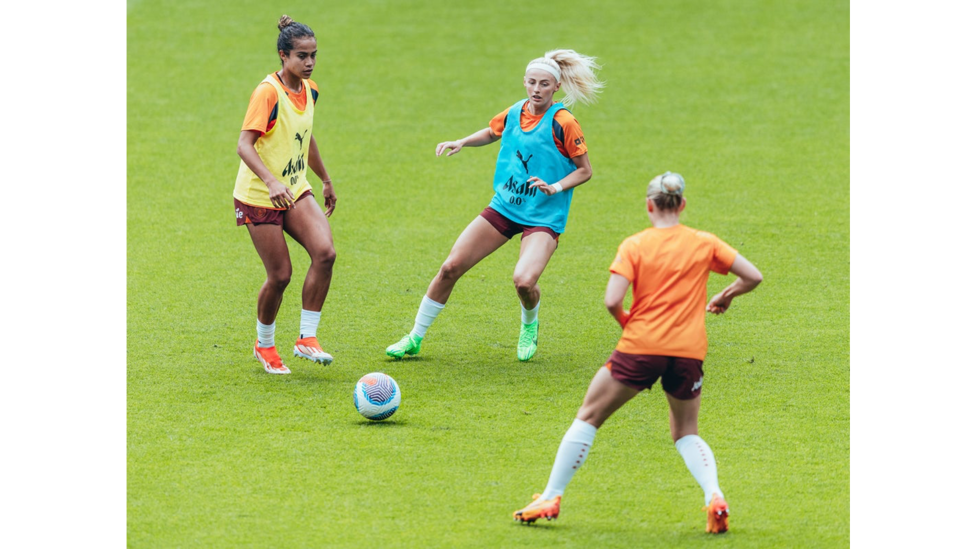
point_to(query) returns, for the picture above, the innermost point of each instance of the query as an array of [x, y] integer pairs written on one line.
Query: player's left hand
[[624, 318], [328, 198], [541, 185], [719, 304]]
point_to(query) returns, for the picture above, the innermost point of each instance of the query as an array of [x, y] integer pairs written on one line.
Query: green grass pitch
[[748, 99]]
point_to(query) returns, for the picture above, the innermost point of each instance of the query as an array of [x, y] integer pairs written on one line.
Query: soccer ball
[[377, 396]]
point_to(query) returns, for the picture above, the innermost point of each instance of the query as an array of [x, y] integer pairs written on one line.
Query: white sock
[[310, 323], [571, 454], [428, 311], [266, 334], [528, 317], [701, 462]]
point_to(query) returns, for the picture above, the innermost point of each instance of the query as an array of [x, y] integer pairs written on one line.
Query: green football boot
[[528, 341], [409, 345]]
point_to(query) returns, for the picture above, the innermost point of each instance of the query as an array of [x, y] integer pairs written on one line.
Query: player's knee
[[279, 279], [325, 257], [523, 283], [590, 415], [451, 270]]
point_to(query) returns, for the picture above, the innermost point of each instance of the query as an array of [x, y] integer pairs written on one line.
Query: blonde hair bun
[[666, 183]]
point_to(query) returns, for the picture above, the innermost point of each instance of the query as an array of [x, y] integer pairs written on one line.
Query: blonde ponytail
[[577, 72]]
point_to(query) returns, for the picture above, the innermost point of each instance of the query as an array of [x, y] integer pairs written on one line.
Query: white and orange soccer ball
[[377, 396]]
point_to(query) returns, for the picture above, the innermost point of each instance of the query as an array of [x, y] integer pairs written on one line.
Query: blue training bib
[[526, 154]]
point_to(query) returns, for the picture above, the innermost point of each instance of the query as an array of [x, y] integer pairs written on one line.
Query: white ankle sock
[[530, 316], [309, 323], [428, 311], [701, 462], [571, 454], [266, 334]]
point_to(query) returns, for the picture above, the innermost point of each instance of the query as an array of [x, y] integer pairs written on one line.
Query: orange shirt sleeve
[[573, 143], [623, 264], [315, 92], [722, 256], [259, 109], [497, 123]]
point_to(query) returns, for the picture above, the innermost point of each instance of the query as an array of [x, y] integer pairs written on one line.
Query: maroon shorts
[[509, 228], [256, 215], [680, 377]]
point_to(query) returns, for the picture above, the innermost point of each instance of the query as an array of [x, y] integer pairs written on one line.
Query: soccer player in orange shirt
[[663, 337], [277, 148]]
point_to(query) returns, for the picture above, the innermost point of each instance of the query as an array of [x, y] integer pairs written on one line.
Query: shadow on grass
[[379, 424], [408, 359], [309, 375]]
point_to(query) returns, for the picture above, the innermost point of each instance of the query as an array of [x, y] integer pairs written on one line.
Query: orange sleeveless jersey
[[668, 269], [262, 110], [571, 143]]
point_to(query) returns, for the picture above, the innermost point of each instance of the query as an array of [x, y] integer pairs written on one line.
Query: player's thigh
[[684, 415], [604, 397], [307, 224], [269, 241], [534, 254], [476, 242], [682, 383]]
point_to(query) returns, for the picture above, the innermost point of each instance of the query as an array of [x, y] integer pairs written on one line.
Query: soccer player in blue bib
[[543, 156]]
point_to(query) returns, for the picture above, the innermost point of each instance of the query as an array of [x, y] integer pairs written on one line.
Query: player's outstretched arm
[[614, 298], [748, 278], [477, 139]]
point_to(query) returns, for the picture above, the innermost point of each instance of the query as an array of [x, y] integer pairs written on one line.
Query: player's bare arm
[[748, 278], [477, 139], [279, 194], [614, 298], [318, 166], [577, 177]]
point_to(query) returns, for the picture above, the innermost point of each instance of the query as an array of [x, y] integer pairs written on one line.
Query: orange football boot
[[309, 348], [539, 508], [718, 515], [268, 357]]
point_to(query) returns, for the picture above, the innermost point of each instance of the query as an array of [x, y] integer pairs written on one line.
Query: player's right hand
[[454, 146], [280, 195]]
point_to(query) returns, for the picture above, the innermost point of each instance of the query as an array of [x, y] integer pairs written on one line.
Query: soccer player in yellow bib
[[663, 338], [276, 147]]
